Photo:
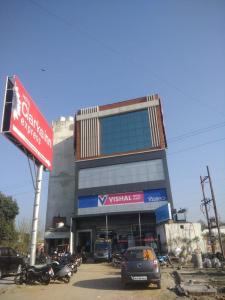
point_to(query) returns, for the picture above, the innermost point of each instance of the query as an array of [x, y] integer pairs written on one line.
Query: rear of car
[[140, 264], [9, 261], [102, 251]]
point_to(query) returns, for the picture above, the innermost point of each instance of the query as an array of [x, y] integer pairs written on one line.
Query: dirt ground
[[92, 281], [102, 281]]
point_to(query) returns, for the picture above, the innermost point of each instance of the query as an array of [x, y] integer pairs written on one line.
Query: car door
[[4, 259], [14, 260]]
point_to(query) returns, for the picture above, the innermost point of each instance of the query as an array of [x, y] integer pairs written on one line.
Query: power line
[[197, 146], [195, 132], [124, 56]]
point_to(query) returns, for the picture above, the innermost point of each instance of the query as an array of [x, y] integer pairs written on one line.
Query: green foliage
[[8, 212]]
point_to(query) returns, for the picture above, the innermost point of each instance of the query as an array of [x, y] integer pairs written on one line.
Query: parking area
[[92, 281]]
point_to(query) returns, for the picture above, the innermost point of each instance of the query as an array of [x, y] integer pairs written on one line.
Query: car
[[102, 250], [10, 261], [140, 264]]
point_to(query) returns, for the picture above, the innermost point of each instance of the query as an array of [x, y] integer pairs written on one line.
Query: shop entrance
[[84, 240]]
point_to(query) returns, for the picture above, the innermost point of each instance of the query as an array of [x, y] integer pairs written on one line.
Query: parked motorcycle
[[164, 260], [84, 257], [116, 259], [31, 274], [61, 272]]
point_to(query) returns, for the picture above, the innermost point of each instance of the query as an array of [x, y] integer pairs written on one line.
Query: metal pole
[[106, 226], [139, 218], [71, 236], [35, 215], [215, 210], [207, 215]]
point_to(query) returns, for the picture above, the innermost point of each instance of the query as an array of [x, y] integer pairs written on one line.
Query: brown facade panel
[[162, 137], [161, 128], [123, 103]]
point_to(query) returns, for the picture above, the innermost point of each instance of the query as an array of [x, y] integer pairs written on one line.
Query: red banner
[[29, 127], [122, 198]]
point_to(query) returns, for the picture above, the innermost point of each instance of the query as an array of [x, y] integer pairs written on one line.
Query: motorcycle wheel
[[18, 279], [66, 279], [45, 279]]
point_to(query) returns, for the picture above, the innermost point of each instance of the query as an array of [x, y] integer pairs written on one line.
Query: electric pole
[[206, 202]]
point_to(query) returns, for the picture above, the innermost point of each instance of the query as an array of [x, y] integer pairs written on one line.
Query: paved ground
[[92, 281]]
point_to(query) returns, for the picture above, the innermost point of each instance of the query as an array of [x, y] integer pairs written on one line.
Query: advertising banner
[[122, 198], [27, 128]]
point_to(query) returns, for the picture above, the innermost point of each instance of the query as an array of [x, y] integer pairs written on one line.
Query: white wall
[[62, 178], [177, 234]]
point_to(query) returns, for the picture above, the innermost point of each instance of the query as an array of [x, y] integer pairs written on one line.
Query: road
[[92, 281]]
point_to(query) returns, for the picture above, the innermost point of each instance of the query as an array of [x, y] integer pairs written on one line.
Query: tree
[[8, 212], [24, 227], [23, 231]]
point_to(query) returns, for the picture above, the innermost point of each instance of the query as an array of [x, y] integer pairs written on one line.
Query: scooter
[[61, 272]]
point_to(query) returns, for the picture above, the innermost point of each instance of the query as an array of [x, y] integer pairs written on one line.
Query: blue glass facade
[[125, 132]]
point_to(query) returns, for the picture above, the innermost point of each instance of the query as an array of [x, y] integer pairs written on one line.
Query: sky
[[78, 53]]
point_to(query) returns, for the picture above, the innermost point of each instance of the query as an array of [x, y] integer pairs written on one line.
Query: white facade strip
[[118, 110], [156, 127]]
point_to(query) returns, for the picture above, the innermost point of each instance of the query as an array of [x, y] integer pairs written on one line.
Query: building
[[121, 174], [110, 177], [61, 189]]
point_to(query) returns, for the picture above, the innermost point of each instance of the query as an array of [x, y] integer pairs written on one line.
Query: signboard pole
[[106, 226], [35, 215]]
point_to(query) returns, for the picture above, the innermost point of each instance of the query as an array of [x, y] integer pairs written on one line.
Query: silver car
[[140, 264]]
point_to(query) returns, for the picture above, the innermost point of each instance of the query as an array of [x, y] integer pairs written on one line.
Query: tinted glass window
[[125, 132], [12, 252], [140, 254], [4, 252]]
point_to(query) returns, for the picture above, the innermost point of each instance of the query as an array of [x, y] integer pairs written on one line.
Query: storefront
[[124, 230]]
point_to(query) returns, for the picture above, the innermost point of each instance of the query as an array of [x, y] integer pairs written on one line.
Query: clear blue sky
[[98, 52]]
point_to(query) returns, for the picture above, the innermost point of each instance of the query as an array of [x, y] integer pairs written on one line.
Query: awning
[[57, 235]]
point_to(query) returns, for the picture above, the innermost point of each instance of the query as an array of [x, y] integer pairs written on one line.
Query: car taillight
[[155, 263]]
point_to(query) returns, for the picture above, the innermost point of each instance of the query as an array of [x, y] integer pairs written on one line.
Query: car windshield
[[140, 254], [101, 246]]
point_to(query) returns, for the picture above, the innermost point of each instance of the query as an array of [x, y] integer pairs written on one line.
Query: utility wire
[[197, 146], [124, 56], [195, 132]]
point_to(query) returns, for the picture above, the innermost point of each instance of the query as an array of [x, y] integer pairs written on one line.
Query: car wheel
[[159, 284], [123, 281], [1, 274]]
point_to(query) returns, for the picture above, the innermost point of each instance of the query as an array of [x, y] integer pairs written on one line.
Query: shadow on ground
[[112, 284]]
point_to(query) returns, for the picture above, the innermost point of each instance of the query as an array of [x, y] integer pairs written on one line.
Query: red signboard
[[120, 199], [23, 122]]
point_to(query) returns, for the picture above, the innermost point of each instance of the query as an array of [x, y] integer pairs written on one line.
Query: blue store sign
[[155, 195]]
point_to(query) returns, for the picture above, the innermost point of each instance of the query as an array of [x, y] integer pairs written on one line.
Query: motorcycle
[[164, 260], [116, 259], [84, 257], [61, 272], [31, 274]]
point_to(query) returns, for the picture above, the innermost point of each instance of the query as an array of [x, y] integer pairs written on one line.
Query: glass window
[[141, 171], [125, 132]]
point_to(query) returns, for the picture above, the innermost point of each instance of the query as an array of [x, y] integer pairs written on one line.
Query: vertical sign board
[[163, 213], [25, 126]]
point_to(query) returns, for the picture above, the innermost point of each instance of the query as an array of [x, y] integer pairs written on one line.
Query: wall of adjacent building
[[178, 235], [62, 178]]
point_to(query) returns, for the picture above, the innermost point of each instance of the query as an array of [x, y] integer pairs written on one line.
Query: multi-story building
[[121, 174]]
